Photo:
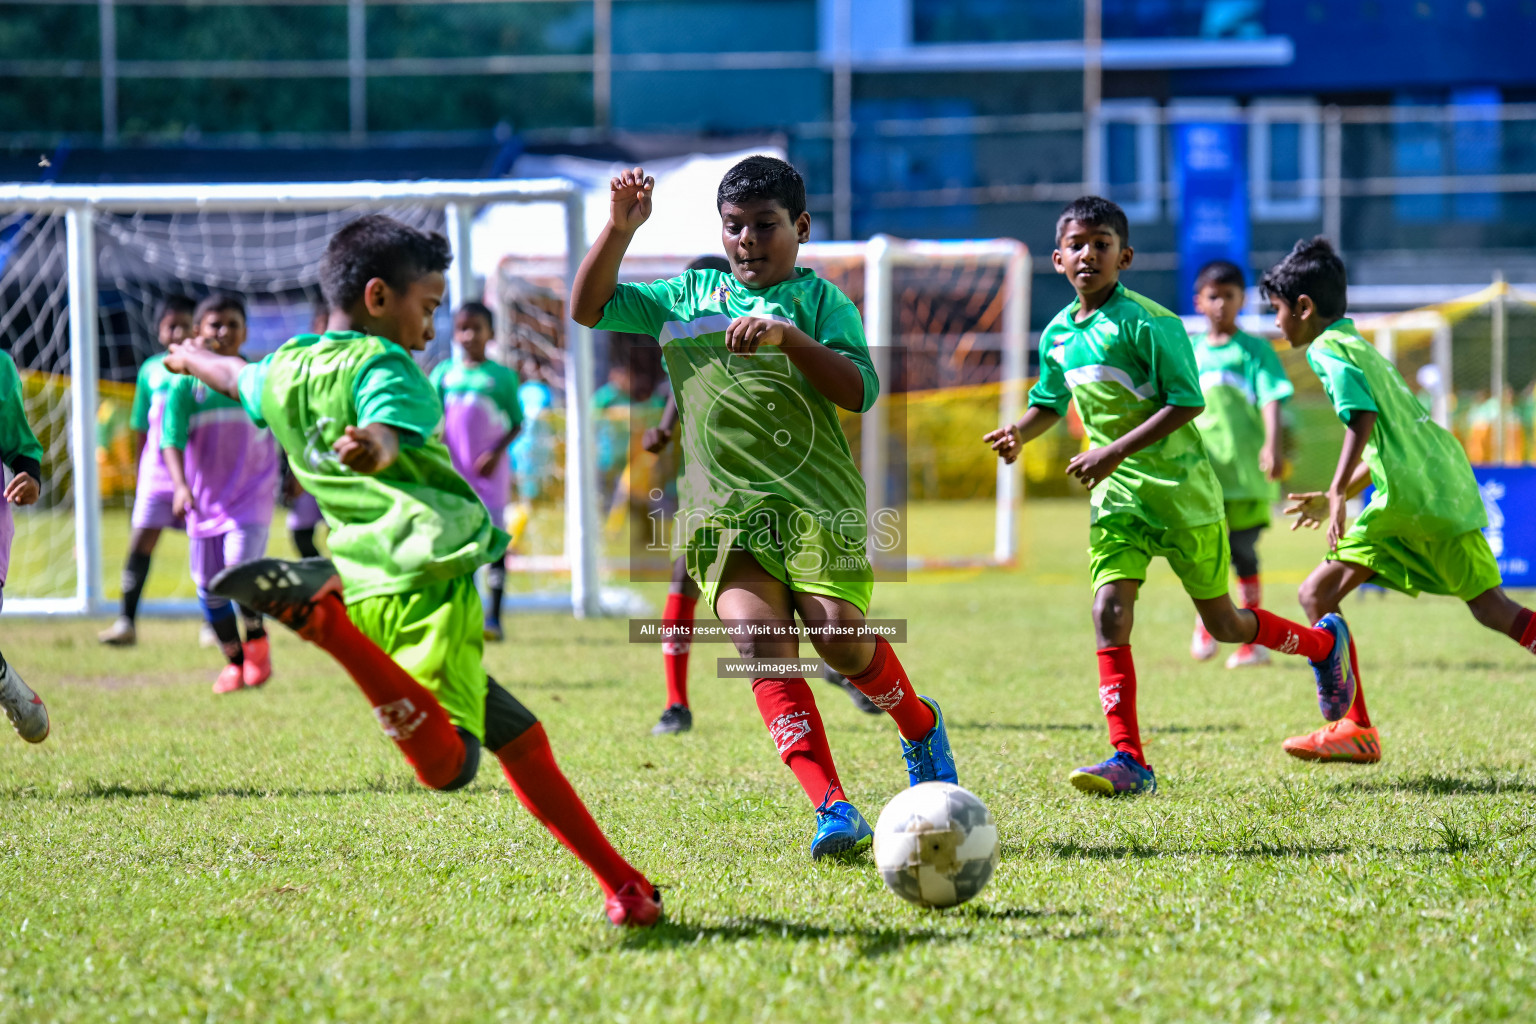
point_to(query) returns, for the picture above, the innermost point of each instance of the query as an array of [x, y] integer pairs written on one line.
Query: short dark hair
[[719, 263], [1220, 272], [478, 309], [1097, 212], [173, 305], [378, 246], [1312, 268], [219, 302], [763, 177]]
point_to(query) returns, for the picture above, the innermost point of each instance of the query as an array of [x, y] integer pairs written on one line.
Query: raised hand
[[629, 199]]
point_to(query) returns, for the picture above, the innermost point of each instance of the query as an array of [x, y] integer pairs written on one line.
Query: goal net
[[83, 271], [946, 322]]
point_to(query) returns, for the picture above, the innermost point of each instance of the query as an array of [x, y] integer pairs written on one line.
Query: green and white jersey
[[1424, 487], [1238, 379], [1128, 359], [753, 432], [16, 438], [392, 532]]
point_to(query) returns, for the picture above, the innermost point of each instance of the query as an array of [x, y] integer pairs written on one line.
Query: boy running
[[1422, 529], [153, 491], [1243, 384], [481, 417], [1130, 368], [358, 420], [224, 474], [771, 501], [20, 451]]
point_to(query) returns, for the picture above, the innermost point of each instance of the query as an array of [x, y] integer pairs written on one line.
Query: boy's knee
[[1111, 612]]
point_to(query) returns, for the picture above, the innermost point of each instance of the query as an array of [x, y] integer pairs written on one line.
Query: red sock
[[885, 683], [1523, 631], [1248, 590], [1117, 693], [674, 653], [406, 710], [789, 712], [1357, 712], [1286, 637], [542, 787]]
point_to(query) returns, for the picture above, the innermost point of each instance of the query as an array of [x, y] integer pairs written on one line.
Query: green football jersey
[[1128, 359], [413, 523], [1238, 379], [16, 438], [149, 393], [1424, 487], [754, 433]]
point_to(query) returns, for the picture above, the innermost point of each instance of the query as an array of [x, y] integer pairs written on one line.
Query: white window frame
[[1308, 204], [1146, 207]]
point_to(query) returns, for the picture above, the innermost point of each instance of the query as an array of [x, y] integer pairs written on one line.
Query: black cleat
[[287, 591], [677, 718], [856, 695]]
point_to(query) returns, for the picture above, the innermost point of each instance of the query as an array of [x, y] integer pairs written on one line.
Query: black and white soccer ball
[[936, 845]]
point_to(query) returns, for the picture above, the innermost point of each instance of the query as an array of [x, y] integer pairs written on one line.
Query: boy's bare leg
[[1114, 613], [141, 546], [1499, 612], [870, 664], [1326, 587]]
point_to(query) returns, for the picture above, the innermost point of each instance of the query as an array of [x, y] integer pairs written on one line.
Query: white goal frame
[[458, 200]]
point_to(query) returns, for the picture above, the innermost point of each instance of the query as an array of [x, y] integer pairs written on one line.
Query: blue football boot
[[840, 829], [930, 759], [1335, 674], [1117, 775]]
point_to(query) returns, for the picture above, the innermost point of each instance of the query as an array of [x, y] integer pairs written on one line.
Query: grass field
[[171, 855]]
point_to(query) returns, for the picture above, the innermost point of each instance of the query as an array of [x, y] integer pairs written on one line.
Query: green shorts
[[1246, 513], [437, 635], [1462, 566], [1121, 547], [795, 549]]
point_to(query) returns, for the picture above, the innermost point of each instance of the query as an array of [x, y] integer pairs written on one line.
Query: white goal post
[[79, 207]]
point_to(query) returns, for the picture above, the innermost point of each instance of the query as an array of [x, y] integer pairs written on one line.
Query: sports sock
[[885, 683], [496, 583], [255, 624], [304, 543], [1286, 637], [135, 575], [1357, 712], [530, 767], [1117, 694], [226, 626], [406, 710], [789, 712], [1248, 591], [1523, 632], [674, 653]]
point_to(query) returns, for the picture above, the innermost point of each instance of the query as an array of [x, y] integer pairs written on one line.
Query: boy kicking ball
[[1130, 367], [1244, 384], [760, 359], [358, 420], [20, 451], [1422, 529]]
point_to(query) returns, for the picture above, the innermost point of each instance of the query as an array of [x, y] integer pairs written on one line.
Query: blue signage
[[1509, 495], [1210, 166]]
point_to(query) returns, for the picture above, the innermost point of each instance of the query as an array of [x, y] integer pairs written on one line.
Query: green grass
[[170, 855]]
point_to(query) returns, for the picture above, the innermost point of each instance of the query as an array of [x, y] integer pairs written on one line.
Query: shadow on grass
[[1087, 727], [1430, 784], [872, 942], [117, 791], [1073, 850]]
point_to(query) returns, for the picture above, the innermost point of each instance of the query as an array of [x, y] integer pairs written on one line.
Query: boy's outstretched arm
[[1009, 441], [1349, 479], [1094, 466], [221, 373], [629, 206]]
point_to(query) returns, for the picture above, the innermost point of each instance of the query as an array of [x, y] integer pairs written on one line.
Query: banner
[[1210, 167], [1509, 495]]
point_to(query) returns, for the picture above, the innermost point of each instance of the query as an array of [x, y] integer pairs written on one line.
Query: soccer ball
[[936, 845]]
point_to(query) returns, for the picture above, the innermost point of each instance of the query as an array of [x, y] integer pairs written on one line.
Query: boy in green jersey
[[1129, 366], [152, 490], [21, 452], [359, 422], [1422, 529], [481, 417], [1243, 384], [770, 501]]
